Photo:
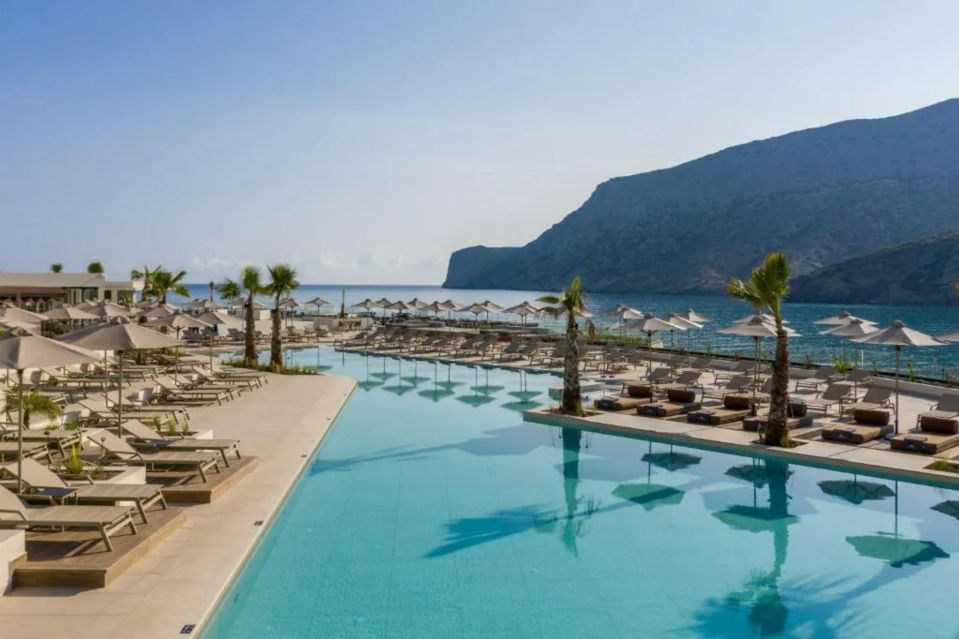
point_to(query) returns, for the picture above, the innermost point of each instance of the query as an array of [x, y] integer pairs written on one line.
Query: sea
[[940, 363]]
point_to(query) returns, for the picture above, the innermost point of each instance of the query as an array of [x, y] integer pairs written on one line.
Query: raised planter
[[12, 548]]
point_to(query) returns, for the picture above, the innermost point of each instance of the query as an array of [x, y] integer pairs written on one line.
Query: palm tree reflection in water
[[571, 525]]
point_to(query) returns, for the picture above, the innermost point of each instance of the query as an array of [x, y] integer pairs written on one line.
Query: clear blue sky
[[365, 141]]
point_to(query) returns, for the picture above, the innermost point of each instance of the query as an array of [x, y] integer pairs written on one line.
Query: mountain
[[824, 195], [920, 272]]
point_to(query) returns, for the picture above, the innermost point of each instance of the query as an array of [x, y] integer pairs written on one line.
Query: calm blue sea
[[930, 362]]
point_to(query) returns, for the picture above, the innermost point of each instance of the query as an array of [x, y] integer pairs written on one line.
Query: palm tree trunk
[[249, 353], [779, 394], [276, 347], [572, 402]]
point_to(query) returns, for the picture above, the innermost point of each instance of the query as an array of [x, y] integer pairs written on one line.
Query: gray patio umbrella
[[399, 306], [692, 316], [475, 308], [758, 329], [624, 313], [384, 304], [839, 319], [650, 324], [523, 309], [684, 325], [119, 335], [417, 304], [179, 322], [853, 329], [766, 317], [70, 314], [434, 308], [106, 310], [366, 304], [20, 350], [318, 302], [203, 304], [16, 315], [158, 311], [898, 335]]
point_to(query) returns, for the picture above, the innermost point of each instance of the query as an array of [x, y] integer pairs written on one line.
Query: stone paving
[[180, 580]]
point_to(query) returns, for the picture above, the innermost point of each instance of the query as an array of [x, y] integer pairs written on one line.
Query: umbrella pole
[[176, 358], [120, 394], [755, 376], [898, 358], [106, 375], [20, 432]]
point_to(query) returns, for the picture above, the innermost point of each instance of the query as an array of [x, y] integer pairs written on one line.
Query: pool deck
[[180, 580]]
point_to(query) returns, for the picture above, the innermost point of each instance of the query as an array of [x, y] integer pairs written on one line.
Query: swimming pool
[[433, 510]]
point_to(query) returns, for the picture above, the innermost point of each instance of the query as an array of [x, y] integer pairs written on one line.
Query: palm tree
[[56, 267], [282, 283], [164, 282], [572, 303], [212, 286], [147, 276], [34, 403], [250, 283], [95, 268], [229, 290], [767, 288]]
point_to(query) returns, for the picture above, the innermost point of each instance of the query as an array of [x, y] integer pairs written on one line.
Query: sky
[[363, 142]]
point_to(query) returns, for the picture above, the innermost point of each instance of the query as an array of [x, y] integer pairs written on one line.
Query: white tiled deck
[[180, 580]]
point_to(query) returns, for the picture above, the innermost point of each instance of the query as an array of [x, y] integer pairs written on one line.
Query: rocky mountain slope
[[824, 195]]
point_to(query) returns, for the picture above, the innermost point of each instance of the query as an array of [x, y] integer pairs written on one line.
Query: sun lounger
[[197, 395], [619, 402], [798, 417], [876, 398], [854, 433], [834, 395], [106, 410], [733, 386], [35, 450], [61, 439], [678, 402], [107, 520], [938, 429], [145, 435], [117, 448], [926, 442], [943, 416], [241, 384], [733, 409], [822, 375], [38, 477]]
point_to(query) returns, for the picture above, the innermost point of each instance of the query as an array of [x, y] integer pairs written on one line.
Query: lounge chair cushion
[[853, 433], [939, 421], [680, 395], [639, 390], [737, 402], [755, 423], [667, 409], [619, 403], [871, 416], [927, 443]]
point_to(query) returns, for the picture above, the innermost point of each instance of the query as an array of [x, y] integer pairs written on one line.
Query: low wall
[[12, 548]]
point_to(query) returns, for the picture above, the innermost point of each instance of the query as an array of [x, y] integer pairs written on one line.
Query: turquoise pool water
[[433, 510]]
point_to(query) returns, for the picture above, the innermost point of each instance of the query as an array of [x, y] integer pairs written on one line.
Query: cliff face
[[824, 195], [921, 272]]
